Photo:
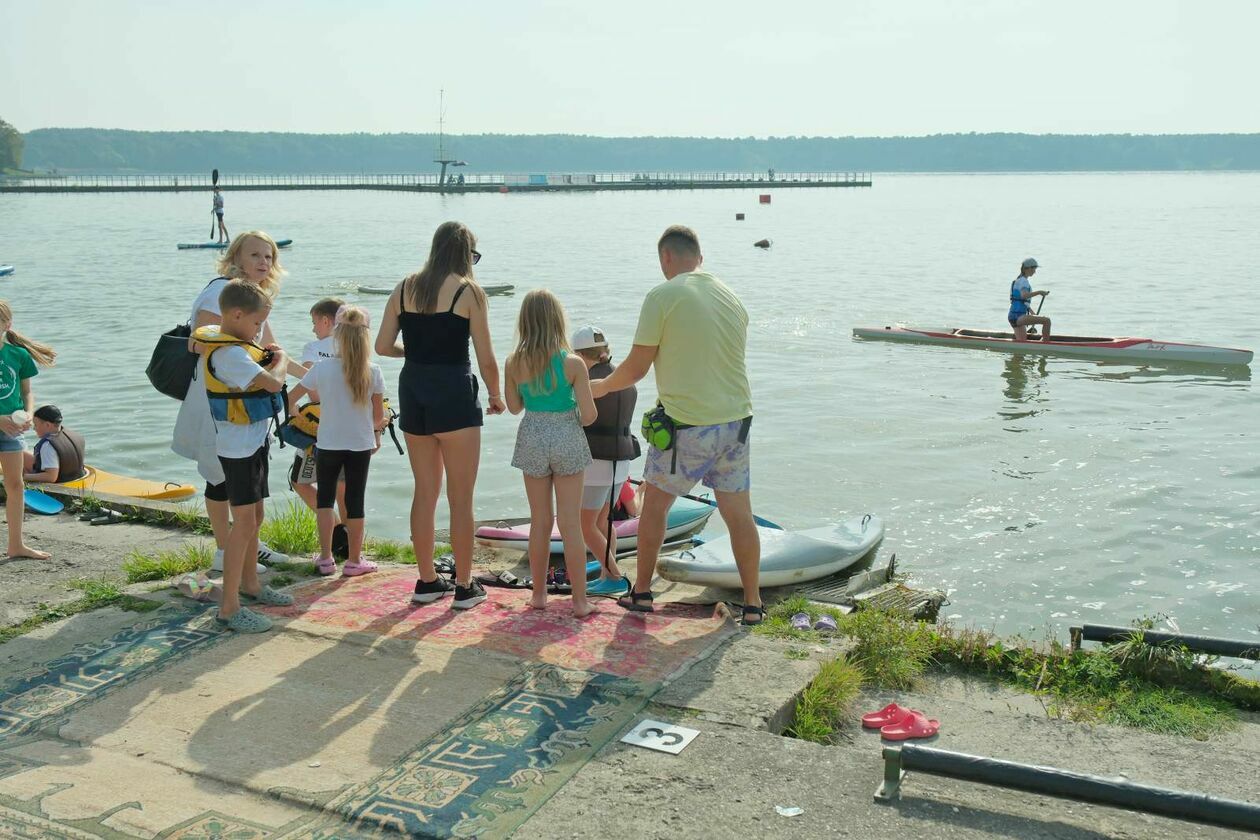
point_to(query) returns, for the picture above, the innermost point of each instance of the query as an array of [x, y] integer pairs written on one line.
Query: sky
[[713, 68]]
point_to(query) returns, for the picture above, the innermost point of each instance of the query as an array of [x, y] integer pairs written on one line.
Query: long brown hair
[[540, 335], [40, 352], [451, 253], [353, 339]]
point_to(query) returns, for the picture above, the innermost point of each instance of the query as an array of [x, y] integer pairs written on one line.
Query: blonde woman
[[351, 417], [553, 388], [18, 357], [254, 258], [438, 312]]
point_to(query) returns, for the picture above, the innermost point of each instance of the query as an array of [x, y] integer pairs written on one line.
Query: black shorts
[[438, 398], [246, 478]]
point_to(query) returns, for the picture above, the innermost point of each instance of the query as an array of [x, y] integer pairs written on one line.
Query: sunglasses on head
[[476, 255]]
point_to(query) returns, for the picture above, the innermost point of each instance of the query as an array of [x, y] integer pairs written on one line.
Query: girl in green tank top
[[553, 388]]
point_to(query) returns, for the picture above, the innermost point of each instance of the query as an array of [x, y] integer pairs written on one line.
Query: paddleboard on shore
[[6, 270], [186, 246], [100, 481], [38, 501], [503, 289], [685, 517], [787, 557]]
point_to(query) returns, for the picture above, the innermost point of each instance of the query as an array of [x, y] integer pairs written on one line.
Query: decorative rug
[[40, 696], [495, 766], [644, 646]]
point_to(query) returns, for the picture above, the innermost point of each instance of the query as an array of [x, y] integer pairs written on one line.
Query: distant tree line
[[115, 151], [10, 147]]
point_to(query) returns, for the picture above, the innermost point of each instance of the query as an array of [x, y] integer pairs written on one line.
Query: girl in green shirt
[[18, 357]]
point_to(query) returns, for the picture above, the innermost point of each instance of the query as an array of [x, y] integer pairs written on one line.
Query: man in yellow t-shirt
[[693, 330]]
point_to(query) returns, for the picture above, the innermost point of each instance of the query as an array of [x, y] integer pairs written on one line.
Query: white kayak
[[502, 289], [787, 557], [1089, 347]]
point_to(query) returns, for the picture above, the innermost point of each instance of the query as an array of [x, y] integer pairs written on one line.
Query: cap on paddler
[[588, 337], [48, 413], [1029, 263]]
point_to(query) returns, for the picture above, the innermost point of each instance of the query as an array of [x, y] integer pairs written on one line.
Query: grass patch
[[138, 566], [827, 702], [393, 551], [291, 531], [96, 594], [190, 517], [1158, 688]]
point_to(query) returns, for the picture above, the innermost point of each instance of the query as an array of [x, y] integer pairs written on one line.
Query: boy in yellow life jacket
[[243, 382]]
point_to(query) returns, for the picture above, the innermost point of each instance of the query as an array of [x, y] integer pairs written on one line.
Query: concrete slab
[[729, 780], [749, 681]]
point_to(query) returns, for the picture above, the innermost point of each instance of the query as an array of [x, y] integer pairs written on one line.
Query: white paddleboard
[[787, 557]]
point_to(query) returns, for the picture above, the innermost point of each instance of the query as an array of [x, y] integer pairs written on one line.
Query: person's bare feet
[[584, 609], [28, 552], [538, 602]]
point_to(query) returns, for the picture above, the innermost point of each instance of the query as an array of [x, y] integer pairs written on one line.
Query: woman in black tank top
[[438, 311]]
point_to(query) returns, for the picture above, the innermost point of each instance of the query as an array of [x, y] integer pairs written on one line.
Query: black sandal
[[636, 602], [757, 611]]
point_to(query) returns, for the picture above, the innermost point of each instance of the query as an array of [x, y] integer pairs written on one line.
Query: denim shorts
[[8, 443]]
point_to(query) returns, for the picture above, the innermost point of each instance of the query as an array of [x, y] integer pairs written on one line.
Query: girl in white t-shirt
[[351, 416]]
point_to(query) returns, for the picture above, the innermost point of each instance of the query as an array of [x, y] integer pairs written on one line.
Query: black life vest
[[69, 448], [609, 436]]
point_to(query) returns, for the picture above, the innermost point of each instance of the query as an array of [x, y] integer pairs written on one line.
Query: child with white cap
[[613, 447]]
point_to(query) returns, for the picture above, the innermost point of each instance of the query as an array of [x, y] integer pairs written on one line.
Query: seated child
[[58, 454]]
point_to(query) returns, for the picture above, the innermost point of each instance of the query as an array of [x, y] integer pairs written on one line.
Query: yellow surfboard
[[99, 481]]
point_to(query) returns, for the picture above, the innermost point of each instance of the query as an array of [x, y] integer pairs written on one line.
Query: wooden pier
[[429, 183]]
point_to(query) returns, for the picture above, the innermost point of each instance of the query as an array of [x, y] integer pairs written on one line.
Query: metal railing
[[403, 180]]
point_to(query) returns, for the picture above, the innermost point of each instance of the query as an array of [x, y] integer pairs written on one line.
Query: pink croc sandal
[[892, 713], [325, 565], [350, 569], [916, 725]]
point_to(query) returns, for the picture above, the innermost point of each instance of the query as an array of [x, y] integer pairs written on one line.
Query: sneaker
[[467, 597], [217, 565], [608, 586], [427, 593], [267, 555]]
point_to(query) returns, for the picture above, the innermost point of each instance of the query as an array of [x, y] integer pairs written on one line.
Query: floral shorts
[[714, 455], [551, 443]]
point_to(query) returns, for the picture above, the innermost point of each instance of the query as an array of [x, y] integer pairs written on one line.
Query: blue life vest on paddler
[[1019, 306], [235, 405]]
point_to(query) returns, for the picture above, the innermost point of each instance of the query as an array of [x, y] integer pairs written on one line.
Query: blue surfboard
[[38, 501]]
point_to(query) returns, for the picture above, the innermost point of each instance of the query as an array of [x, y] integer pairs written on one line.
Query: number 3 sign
[[657, 735]]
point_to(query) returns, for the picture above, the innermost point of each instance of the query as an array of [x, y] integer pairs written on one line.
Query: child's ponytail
[[351, 334], [43, 355]]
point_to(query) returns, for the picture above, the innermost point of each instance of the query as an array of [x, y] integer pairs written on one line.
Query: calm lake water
[[1036, 492]]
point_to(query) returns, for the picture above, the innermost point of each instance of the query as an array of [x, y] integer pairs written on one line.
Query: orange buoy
[[764, 198]]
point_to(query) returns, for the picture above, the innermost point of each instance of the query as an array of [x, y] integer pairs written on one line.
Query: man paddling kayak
[[1021, 315]]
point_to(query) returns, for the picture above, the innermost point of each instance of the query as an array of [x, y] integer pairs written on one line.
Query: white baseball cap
[[588, 337], [1029, 263]]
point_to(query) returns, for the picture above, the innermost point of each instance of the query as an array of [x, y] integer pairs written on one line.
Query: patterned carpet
[[580, 685], [646, 647]]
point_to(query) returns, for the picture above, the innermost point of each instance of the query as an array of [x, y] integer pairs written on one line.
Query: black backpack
[[172, 365]]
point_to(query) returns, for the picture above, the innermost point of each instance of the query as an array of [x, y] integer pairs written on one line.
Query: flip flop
[[349, 569], [892, 713], [800, 621], [825, 624], [915, 725]]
